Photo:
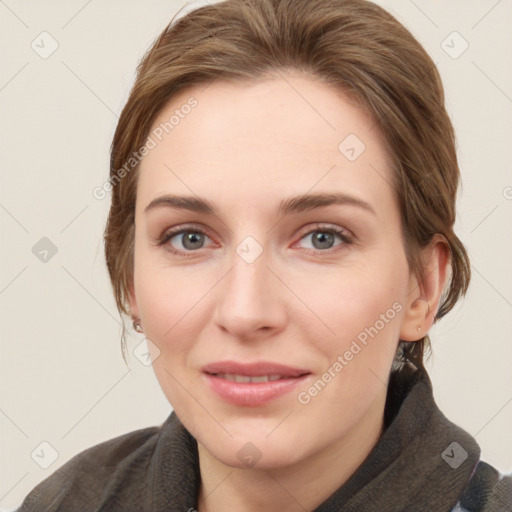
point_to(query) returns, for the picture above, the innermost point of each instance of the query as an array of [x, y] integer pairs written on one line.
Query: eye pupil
[[324, 238], [192, 238]]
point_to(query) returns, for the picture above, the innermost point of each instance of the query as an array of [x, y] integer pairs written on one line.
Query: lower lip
[[252, 394]]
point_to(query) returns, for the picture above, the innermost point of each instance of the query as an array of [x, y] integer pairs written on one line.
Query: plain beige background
[[63, 379]]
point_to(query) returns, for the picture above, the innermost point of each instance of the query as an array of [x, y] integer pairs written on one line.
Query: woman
[[283, 180]]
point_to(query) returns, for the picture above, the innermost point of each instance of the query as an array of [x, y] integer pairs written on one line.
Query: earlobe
[[134, 311], [132, 302], [425, 296], [416, 322]]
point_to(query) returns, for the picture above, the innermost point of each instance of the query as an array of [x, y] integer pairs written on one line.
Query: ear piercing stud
[[137, 326]]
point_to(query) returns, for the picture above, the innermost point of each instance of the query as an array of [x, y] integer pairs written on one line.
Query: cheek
[[169, 301], [360, 314], [350, 301], [363, 307], [169, 304]]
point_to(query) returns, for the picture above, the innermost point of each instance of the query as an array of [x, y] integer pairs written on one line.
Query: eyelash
[[344, 236]]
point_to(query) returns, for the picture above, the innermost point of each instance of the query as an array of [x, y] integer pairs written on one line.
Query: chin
[[255, 451]]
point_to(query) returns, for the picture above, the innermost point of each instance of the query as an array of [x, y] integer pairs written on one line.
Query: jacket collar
[[421, 458]]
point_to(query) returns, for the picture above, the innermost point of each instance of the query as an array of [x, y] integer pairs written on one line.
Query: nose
[[251, 299]]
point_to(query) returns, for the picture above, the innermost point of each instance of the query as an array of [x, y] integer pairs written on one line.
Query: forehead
[[254, 140]]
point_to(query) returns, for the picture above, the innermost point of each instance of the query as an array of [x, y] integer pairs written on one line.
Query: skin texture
[[246, 147]]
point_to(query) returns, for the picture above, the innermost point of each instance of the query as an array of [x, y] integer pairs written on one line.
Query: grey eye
[[322, 239], [190, 240]]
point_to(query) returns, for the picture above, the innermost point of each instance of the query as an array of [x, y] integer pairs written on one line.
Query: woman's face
[[297, 282]]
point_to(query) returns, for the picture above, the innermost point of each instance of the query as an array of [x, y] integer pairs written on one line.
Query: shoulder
[[93, 474], [488, 490]]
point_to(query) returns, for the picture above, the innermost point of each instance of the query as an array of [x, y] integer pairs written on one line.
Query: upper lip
[[254, 369]]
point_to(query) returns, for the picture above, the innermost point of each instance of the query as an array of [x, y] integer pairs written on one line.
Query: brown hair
[[354, 45]]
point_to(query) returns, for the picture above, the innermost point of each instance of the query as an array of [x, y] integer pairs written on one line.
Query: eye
[[189, 238], [323, 238]]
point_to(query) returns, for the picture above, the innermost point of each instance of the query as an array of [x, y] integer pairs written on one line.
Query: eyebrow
[[289, 205]]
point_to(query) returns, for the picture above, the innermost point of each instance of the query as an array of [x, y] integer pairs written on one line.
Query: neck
[[298, 487]]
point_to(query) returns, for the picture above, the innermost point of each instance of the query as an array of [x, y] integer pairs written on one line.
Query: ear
[[424, 297], [132, 302]]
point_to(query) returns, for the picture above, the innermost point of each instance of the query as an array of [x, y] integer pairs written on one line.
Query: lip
[[252, 394], [254, 369]]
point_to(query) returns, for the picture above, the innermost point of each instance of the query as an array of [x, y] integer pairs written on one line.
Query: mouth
[[247, 378], [252, 384], [255, 369]]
